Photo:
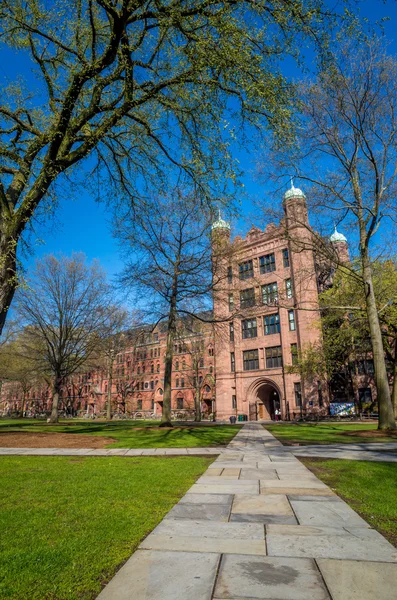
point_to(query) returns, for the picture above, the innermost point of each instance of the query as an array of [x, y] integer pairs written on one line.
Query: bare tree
[[64, 310], [347, 154], [171, 268], [142, 88]]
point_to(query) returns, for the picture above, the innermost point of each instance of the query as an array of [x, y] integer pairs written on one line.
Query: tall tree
[[64, 310], [142, 88], [170, 268], [347, 154]]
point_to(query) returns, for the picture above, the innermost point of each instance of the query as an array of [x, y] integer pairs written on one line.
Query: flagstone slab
[[309, 498], [214, 472], [208, 512], [306, 530], [357, 580], [265, 519], [299, 491], [204, 480], [336, 514], [231, 471], [226, 488], [200, 544], [161, 575], [258, 474], [297, 484], [225, 465], [255, 577], [210, 529], [206, 499], [348, 547], [272, 504]]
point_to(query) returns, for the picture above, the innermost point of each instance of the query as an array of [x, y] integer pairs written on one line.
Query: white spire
[[220, 223], [337, 237], [293, 192]]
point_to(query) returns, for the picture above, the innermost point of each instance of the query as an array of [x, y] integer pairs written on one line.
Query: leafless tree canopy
[[65, 311]]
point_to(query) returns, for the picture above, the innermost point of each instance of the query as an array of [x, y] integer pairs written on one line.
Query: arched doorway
[[264, 398], [268, 402]]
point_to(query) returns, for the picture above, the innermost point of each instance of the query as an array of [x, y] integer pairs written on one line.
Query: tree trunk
[[197, 404], [386, 416], [110, 385], [8, 277], [394, 390], [166, 416], [23, 403], [55, 400]]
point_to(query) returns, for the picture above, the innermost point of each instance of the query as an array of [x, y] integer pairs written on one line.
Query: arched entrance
[[264, 399]]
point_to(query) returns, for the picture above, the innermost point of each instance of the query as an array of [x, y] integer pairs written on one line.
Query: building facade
[[265, 309]]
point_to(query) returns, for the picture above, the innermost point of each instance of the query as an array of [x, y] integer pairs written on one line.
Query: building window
[[365, 367], [182, 382], [146, 384], [294, 353], [267, 263], [152, 385], [200, 379], [156, 337], [201, 362], [179, 403], [298, 394], [152, 368], [231, 303], [250, 360], [246, 270], [158, 368], [211, 369], [177, 382], [274, 357], [177, 365], [152, 405], [270, 293], [207, 389], [139, 405], [291, 320], [364, 395], [247, 298], [285, 258], [142, 385], [271, 324], [288, 288], [161, 392], [210, 351], [230, 274], [232, 362], [231, 331], [249, 328], [234, 402]]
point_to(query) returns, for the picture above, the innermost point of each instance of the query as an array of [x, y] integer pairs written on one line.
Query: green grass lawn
[[326, 433], [369, 487], [133, 434], [67, 524]]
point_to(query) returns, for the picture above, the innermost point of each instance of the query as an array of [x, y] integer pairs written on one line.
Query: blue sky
[[83, 225]]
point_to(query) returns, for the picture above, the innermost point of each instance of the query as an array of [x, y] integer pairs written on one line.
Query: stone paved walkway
[[259, 525], [110, 451], [385, 452], [376, 452]]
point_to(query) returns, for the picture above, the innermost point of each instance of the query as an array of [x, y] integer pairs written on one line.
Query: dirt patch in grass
[[29, 439], [371, 433]]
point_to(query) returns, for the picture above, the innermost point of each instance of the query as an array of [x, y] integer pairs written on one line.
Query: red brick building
[[265, 306]]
